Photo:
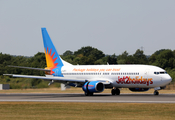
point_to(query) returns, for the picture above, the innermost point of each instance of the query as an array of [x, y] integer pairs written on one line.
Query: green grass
[[85, 111], [25, 83]]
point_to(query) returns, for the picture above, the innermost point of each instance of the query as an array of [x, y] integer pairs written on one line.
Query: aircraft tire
[[117, 91], [113, 92], [156, 92], [88, 93], [91, 94]]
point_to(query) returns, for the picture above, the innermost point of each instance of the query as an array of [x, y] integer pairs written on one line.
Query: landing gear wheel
[[156, 92], [91, 94], [115, 91], [88, 93]]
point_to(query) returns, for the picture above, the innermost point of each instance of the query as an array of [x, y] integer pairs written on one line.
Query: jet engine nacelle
[[138, 89], [93, 86]]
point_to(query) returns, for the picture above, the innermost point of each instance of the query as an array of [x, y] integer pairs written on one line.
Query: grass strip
[[85, 111]]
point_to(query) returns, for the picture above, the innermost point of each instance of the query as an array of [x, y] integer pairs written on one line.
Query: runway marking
[[90, 101]]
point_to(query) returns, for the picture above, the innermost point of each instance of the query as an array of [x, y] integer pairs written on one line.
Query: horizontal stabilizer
[[40, 69]]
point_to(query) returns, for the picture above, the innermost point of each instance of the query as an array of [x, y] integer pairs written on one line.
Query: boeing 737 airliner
[[95, 78]]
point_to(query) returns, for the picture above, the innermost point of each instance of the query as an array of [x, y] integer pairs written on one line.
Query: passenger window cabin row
[[105, 73]]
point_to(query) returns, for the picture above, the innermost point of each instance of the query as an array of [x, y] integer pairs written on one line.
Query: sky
[[112, 26]]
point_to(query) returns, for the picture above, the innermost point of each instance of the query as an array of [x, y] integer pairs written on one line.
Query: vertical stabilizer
[[53, 59]]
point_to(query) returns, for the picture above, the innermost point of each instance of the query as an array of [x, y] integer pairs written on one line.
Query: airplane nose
[[168, 78]]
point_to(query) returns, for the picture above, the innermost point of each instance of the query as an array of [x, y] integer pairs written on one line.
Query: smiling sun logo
[[50, 59]]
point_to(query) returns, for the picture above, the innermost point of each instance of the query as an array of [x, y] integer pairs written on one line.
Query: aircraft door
[[101, 75], [146, 74]]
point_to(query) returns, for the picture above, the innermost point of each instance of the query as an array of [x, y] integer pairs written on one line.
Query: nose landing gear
[[158, 88], [156, 92]]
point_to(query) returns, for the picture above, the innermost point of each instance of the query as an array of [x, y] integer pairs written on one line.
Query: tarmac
[[96, 98]]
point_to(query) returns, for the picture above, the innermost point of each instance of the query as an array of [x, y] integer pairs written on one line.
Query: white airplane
[[96, 78]]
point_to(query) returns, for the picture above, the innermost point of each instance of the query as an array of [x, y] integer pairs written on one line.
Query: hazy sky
[[111, 26]]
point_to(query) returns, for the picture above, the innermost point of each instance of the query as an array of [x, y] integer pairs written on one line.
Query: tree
[[87, 60], [130, 60], [69, 59], [140, 57], [68, 52], [153, 57], [165, 59], [121, 59], [90, 51], [112, 59]]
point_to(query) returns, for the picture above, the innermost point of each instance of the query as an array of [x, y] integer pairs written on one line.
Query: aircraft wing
[[60, 79]]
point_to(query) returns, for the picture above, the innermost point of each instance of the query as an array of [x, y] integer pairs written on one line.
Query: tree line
[[164, 58]]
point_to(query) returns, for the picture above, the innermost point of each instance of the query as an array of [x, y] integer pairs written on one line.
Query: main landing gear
[[156, 92], [115, 91], [88, 93]]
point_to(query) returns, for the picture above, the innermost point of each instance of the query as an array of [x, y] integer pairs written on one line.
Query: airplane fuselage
[[120, 76]]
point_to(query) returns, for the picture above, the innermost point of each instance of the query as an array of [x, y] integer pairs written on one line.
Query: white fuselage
[[120, 76]]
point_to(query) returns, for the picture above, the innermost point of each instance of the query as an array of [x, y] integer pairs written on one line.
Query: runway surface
[[105, 98]]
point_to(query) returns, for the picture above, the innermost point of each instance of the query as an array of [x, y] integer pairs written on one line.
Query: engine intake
[[93, 86]]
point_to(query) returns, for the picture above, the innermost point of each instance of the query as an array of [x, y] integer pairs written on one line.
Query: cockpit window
[[162, 72]]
